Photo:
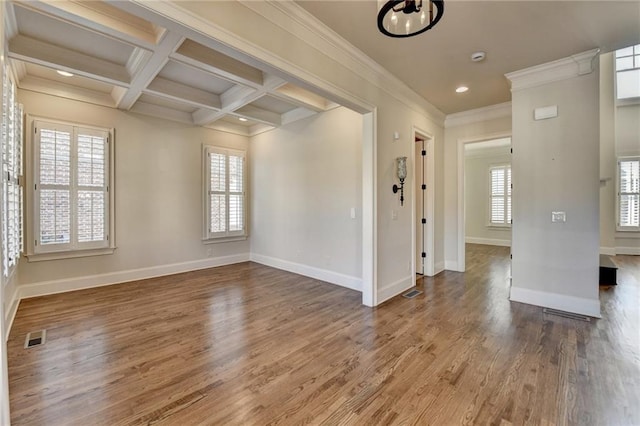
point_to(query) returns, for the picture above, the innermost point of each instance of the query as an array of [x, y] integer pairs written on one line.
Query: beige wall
[[555, 167], [158, 194], [305, 179]]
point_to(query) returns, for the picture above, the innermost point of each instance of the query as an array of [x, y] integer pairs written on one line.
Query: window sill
[[627, 102], [224, 239], [39, 257], [628, 233], [499, 227]]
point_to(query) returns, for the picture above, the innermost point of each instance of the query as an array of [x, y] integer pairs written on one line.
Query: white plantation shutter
[[500, 195], [224, 193], [629, 193], [71, 187], [12, 172]]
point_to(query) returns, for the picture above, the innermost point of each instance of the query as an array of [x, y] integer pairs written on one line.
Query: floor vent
[[35, 338], [564, 314], [411, 294]]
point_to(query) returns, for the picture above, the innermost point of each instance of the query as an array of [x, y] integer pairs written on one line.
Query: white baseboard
[[578, 305], [451, 265], [348, 281], [395, 289], [634, 251], [439, 267], [60, 286], [609, 251], [10, 314], [488, 241]]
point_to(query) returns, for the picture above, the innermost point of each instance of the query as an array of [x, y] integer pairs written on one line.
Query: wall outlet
[[558, 217]]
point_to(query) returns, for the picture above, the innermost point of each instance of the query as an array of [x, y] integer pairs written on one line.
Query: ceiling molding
[[342, 51], [179, 92], [67, 91], [478, 115], [562, 69]]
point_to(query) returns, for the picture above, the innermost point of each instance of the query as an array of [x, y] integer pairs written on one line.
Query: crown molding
[[478, 115], [334, 46], [562, 69]]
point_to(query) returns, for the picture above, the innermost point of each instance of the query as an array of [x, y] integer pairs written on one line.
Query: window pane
[[497, 181], [630, 176], [630, 210], [624, 63], [55, 217], [91, 160], [497, 210], [627, 51], [91, 216], [218, 218], [628, 84], [235, 173], [218, 172], [55, 155], [236, 220]]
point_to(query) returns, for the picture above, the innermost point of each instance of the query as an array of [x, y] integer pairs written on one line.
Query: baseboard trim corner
[[577, 305], [391, 290], [488, 241], [343, 280]]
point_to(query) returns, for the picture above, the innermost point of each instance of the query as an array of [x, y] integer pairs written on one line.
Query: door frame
[[429, 244]]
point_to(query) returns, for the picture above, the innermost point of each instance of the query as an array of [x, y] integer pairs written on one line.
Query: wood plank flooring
[[251, 345]]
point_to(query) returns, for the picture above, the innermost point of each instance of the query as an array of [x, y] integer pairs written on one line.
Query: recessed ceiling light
[[64, 73], [462, 89], [242, 119]]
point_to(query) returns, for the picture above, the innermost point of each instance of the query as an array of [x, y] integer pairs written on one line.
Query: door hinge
[[424, 254], [424, 152], [36, 242], [511, 150], [424, 187], [424, 220]]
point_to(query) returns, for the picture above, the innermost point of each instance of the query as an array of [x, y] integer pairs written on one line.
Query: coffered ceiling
[[125, 60], [124, 56]]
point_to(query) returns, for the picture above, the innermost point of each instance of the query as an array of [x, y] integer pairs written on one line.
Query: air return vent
[[35, 338], [411, 294]]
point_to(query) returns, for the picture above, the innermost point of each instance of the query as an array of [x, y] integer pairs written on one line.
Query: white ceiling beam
[[236, 98], [301, 97], [99, 17], [52, 56], [161, 112], [206, 59], [296, 114], [180, 92], [260, 115], [63, 90], [146, 70]]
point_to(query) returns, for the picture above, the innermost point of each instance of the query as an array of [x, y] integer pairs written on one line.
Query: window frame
[[619, 227], [507, 196], [635, 55], [12, 172], [73, 249], [209, 237]]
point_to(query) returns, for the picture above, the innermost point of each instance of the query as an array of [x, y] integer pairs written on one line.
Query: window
[[629, 194], [500, 195], [628, 72], [225, 201], [71, 191], [12, 175]]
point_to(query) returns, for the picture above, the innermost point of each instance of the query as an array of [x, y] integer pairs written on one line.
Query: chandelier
[[406, 18]]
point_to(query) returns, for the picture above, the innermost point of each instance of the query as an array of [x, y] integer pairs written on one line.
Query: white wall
[[477, 194], [607, 155], [480, 130], [158, 201], [305, 178], [555, 167]]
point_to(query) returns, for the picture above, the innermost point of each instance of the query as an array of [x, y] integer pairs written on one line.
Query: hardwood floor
[[250, 345]]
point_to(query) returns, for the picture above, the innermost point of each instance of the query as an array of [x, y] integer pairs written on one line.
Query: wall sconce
[[401, 170]]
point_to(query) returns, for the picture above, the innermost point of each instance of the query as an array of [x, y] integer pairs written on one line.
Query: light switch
[[394, 215], [558, 217], [353, 212]]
